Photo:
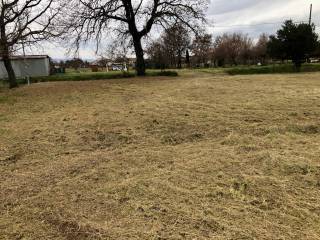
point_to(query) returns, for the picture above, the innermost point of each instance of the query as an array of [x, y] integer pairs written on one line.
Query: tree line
[[24, 23], [173, 49]]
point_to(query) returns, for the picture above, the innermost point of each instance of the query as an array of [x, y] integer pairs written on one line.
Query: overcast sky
[[247, 16]]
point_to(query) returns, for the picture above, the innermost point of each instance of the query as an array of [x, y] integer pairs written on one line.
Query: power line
[[246, 25], [252, 25]]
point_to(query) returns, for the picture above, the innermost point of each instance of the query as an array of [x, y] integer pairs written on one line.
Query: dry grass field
[[199, 156]]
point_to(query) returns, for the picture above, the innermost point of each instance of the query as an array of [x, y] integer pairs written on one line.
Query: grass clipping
[[192, 157]]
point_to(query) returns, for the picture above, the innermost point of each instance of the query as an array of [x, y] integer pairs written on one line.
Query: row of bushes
[[83, 76], [241, 70], [280, 68], [162, 73]]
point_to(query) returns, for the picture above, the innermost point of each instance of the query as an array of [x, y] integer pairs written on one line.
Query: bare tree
[[260, 49], [24, 22], [118, 50], [75, 63], [202, 48], [176, 41], [220, 53], [246, 52], [233, 48], [157, 55], [91, 19], [168, 50]]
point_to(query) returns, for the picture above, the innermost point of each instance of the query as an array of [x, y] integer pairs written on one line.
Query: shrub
[[285, 68], [94, 69], [163, 73]]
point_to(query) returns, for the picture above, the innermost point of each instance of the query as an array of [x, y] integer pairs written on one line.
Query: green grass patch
[[6, 99], [3, 118], [84, 76], [216, 70], [87, 76], [80, 76], [282, 68], [304, 129]]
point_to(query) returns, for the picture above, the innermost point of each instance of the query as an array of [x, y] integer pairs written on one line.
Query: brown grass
[[195, 157]]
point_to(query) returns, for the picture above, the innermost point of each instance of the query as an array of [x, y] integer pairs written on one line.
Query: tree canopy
[[25, 22], [92, 19], [294, 42]]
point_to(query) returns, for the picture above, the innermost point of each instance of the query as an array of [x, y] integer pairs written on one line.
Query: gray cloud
[[222, 7], [258, 16]]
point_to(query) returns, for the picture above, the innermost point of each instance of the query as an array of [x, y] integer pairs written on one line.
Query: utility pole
[[310, 16]]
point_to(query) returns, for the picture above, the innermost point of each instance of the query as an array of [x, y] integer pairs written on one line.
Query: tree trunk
[[11, 75], [4, 53], [140, 64], [297, 65], [188, 59], [179, 60]]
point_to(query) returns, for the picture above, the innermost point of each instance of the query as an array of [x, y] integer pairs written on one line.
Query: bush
[[168, 73], [94, 69], [163, 73]]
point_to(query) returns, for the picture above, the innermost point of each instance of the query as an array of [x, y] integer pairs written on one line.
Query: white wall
[[33, 67]]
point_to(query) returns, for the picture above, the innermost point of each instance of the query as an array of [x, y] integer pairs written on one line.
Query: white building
[[27, 66]]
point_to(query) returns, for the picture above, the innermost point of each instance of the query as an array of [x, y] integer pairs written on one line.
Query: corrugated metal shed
[[27, 66]]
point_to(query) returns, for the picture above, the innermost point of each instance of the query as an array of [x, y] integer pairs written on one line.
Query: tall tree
[[176, 40], [157, 54], [220, 54], [188, 58], [317, 51], [246, 51], [91, 19], [202, 48], [294, 41], [236, 46], [24, 22], [75, 63], [275, 48], [260, 48], [232, 48]]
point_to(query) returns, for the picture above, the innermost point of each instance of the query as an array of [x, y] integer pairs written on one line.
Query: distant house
[[27, 66], [120, 64], [101, 63]]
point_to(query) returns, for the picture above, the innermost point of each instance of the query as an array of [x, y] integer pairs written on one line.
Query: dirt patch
[[304, 129], [73, 230], [8, 160]]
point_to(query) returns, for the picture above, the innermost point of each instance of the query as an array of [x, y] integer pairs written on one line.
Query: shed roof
[[18, 57]]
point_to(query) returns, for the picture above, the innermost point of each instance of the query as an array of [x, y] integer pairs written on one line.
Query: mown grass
[[198, 156], [6, 99]]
